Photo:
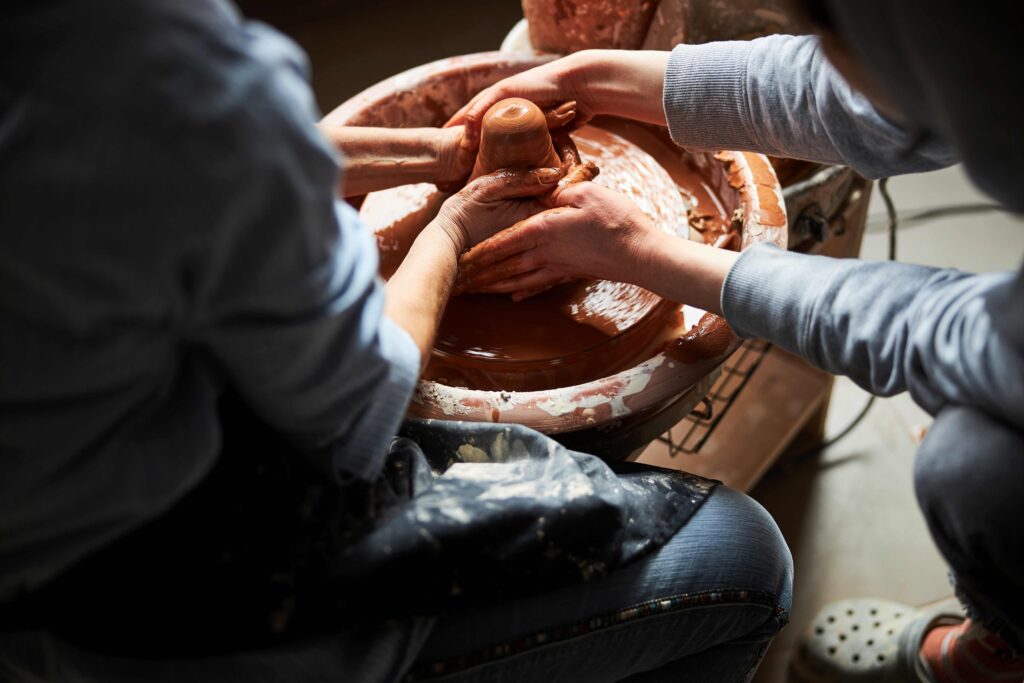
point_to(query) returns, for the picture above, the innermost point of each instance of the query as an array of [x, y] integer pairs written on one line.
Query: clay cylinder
[[514, 134]]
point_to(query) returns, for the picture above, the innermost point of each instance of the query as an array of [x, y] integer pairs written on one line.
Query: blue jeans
[[705, 607], [969, 478]]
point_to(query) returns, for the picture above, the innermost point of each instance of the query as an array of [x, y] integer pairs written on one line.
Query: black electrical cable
[[891, 225], [890, 210]]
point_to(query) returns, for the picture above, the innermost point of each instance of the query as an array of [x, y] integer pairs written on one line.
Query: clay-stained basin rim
[[425, 96]]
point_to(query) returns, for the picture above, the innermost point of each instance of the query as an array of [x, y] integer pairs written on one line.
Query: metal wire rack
[[692, 432]]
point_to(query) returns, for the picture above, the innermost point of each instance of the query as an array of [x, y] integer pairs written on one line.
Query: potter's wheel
[[621, 411], [571, 334]]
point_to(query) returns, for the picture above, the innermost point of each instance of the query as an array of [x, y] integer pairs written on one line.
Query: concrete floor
[[850, 517]]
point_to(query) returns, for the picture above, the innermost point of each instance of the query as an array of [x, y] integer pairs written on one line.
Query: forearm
[[890, 327], [418, 291], [779, 95], [378, 158], [625, 83], [684, 271]]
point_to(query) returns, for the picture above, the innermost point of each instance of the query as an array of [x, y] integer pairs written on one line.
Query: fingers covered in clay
[[494, 201], [494, 260], [592, 232], [472, 114], [499, 247], [456, 158], [560, 116], [523, 294], [566, 149], [576, 170], [514, 183], [579, 173], [526, 285], [481, 280], [475, 264], [522, 275]]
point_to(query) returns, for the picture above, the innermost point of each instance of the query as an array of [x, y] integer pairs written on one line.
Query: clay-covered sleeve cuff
[[705, 96]]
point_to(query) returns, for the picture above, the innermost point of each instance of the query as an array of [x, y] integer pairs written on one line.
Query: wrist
[[593, 75], [686, 271], [651, 249], [440, 152], [453, 158], [626, 83], [448, 231]]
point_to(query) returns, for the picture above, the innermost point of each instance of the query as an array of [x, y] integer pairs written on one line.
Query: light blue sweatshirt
[[168, 226], [947, 337]]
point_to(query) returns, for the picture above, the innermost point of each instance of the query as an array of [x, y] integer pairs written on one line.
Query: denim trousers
[[969, 480], [706, 604], [704, 607]]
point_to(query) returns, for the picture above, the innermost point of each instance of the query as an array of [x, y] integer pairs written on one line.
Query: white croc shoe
[[866, 640]]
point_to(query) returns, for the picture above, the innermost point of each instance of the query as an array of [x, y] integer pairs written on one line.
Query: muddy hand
[[496, 200], [563, 116], [560, 116], [455, 156], [576, 170], [474, 274], [592, 232], [508, 262]]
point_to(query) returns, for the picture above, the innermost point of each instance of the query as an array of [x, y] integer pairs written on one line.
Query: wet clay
[[706, 214], [576, 332], [709, 338], [581, 330], [514, 134]]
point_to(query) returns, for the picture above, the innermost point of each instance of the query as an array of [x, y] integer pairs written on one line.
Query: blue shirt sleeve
[[779, 95], [290, 304], [890, 327]]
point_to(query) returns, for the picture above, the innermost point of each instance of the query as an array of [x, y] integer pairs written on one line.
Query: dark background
[[353, 44]]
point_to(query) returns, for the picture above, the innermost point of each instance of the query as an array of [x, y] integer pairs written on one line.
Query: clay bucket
[[427, 96]]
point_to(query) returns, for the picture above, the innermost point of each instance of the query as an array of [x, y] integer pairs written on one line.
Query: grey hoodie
[[955, 341], [950, 338]]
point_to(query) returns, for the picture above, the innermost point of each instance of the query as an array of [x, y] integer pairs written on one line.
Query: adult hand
[[494, 202], [419, 289], [626, 83], [455, 157], [597, 233], [546, 86], [591, 232]]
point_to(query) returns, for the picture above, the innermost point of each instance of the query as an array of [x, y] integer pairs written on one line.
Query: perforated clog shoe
[[867, 640]]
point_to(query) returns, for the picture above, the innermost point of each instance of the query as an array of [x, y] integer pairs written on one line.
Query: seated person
[[202, 380], [886, 88]]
